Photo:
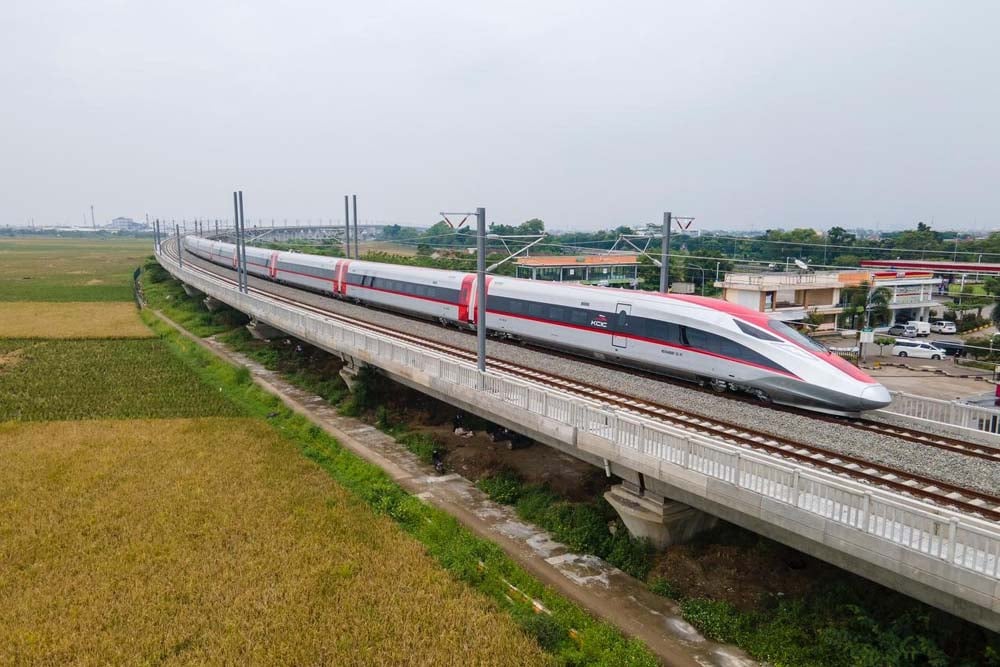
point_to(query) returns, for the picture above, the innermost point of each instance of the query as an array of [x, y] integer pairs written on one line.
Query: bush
[[665, 587], [505, 487], [582, 527], [421, 444]]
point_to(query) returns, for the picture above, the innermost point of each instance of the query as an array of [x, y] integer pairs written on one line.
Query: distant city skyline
[[588, 115]]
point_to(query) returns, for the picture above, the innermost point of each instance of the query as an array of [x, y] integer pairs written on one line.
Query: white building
[[796, 296], [126, 225]]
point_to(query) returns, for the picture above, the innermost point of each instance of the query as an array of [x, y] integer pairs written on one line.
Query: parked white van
[[917, 350], [923, 328], [943, 326]]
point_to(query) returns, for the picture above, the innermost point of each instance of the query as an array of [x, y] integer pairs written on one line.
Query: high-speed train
[[697, 338]]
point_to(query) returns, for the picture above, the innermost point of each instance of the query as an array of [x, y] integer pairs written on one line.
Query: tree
[[840, 236], [878, 306]]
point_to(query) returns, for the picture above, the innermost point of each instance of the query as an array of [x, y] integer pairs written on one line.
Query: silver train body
[[679, 335]]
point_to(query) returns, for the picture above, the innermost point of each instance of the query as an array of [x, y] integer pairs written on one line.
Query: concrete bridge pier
[[213, 304], [263, 331], [190, 291], [662, 521], [350, 370]]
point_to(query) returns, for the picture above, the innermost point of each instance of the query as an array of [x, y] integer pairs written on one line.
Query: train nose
[[875, 397]]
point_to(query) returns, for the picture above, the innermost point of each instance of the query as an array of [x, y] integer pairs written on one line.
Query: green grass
[[970, 288], [93, 379], [35, 269], [166, 294], [583, 527], [477, 562]]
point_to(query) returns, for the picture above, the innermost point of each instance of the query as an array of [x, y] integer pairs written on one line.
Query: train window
[[536, 309], [755, 332], [579, 316], [515, 306], [795, 336], [695, 338], [668, 332], [731, 348], [556, 313]]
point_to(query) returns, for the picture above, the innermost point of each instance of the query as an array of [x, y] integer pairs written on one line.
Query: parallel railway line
[[917, 486]]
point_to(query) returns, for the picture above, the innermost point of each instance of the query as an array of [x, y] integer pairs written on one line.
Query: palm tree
[[877, 305]]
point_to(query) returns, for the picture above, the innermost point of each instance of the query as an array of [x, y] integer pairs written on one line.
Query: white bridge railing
[[958, 540], [952, 413]]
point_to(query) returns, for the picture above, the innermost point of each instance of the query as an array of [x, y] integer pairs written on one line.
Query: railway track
[[876, 474]]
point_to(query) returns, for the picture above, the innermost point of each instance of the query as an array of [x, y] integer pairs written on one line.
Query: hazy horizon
[[584, 114]]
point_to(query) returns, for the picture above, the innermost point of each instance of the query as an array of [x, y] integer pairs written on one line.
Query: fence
[[953, 413], [962, 541]]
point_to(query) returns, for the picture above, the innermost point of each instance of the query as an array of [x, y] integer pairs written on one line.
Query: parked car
[[953, 348], [917, 350], [944, 326], [905, 330], [923, 328]]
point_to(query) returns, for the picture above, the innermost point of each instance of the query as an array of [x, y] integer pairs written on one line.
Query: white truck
[[923, 328]]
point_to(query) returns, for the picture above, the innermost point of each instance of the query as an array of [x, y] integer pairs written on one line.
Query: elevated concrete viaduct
[[945, 558]]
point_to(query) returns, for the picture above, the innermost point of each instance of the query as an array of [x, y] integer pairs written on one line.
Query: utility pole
[[347, 229], [481, 289], [93, 223], [354, 201], [665, 254]]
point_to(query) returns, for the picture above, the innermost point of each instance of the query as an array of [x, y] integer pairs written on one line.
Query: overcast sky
[[585, 114]]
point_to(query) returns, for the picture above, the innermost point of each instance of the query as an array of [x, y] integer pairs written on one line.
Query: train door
[[619, 333], [272, 268]]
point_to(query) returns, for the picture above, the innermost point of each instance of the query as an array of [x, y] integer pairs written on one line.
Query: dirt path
[[592, 583]]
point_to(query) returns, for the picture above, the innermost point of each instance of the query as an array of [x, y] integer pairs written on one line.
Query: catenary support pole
[[236, 236], [347, 229], [665, 254], [481, 289], [180, 246], [243, 244], [354, 202]]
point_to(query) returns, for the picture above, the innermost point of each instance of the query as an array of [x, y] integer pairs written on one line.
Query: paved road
[[918, 376]]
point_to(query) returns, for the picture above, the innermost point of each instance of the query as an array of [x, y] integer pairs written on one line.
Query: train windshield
[[792, 334]]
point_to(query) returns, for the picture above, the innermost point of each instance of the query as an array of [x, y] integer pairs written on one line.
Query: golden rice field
[[213, 541], [110, 319]]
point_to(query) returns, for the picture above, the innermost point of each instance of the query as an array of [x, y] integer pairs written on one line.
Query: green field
[[97, 379], [43, 269]]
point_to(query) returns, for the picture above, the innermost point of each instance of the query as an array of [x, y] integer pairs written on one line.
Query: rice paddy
[[92, 379], [185, 517], [30, 319], [214, 541], [70, 269]]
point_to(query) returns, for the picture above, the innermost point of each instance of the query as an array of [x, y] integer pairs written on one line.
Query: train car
[[310, 271], [430, 293], [707, 340]]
